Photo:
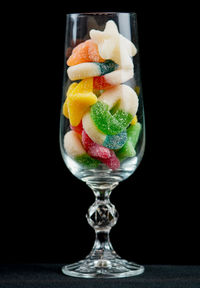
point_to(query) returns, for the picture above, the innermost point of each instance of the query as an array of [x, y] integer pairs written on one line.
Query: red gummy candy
[[112, 162], [100, 83], [78, 128], [93, 149]]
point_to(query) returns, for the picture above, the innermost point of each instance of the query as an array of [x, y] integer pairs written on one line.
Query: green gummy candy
[[106, 122], [107, 66], [128, 150], [87, 161], [133, 133]]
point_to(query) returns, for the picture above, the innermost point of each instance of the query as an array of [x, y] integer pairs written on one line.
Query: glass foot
[[103, 268]]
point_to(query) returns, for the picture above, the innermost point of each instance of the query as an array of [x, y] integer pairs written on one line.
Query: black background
[[43, 206]]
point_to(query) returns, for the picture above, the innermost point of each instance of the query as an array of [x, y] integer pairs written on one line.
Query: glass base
[[103, 268]]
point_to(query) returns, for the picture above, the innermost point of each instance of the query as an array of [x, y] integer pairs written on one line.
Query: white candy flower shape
[[112, 45]]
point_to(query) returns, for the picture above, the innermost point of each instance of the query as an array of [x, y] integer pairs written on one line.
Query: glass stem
[[102, 216]]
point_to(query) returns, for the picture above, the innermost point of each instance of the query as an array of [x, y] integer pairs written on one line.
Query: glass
[[102, 261]]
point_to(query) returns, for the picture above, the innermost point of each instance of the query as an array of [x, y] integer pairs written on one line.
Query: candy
[[115, 141], [72, 144], [94, 133], [93, 149], [133, 133], [109, 141], [78, 128], [111, 79], [127, 101], [79, 99], [65, 105], [74, 148], [135, 120], [99, 125], [85, 52], [128, 150], [113, 45], [92, 69], [87, 161], [112, 162], [103, 154]]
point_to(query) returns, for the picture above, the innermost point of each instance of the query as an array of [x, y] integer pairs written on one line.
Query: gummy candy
[[74, 148], [133, 133], [90, 69], [112, 79], [87, 161], [122, 94], [115, 141], [93, 149], [135, 120], [114, 124], [79, 100], [109, 141], [112, 162], [72, 144], [85, 52], [108, 123], [78, 128], [69, 91], [94, 133], [113, 45], [100, 83], [128, 150], [99, 125]]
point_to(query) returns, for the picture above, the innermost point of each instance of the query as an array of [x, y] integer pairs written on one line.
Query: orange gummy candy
[[85, 52]]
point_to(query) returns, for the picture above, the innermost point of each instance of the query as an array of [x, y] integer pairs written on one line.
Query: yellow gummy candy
[[69, 91], [80, 97], [134, 121]]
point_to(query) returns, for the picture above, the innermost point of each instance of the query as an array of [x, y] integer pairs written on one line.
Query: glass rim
[[100, 13]]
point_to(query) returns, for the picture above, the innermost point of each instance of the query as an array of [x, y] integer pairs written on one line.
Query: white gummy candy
[[112, 45], [72, 144], [125, 95]]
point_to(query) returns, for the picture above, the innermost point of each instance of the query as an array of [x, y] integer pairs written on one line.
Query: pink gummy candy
[[112, 162], [78, 128], [93, 149]]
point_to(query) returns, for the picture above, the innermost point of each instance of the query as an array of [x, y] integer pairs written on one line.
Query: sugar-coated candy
[[112, 162], [78, 128], [74, 148], [99, 152], [127, 104], [72, 144], [115, 141], [109, 141], [133, 133], [79, 98], [135, 120], [85, 52], [93, 149], [94, 133], [87, 161], [114, 46], [112, 79], [128, 150], [65, 105], [90, 69]]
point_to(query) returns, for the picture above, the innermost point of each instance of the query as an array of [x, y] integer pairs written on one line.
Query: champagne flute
[[102, 178]]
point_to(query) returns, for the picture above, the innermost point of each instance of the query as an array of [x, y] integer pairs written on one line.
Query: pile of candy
[[101, 110]]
